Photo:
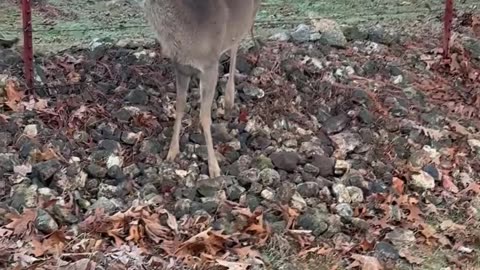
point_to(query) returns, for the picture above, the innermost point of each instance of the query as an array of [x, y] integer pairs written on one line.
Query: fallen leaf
[[410, 256], [21, 223], [13, 96], [82, 264], [448, 185], [171, 220], [367, 262], [233, 265], [398, 185]]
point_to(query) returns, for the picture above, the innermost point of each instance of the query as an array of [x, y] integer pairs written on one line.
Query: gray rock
[[242, 164], [312, 169], [129, 137], [324, 164], [285, 160], [253, 91], [24, 196], [6, 139], [151, 146], [44, 222], [268, 194], [111, 146], [209, 187], [346, 141], [182, 207], [301, 33], [96, 171], [423, 181], [341, 167], [8, 162], [132, 170], [108, 205], [298, 202], [344, 210], [282, 36], [336, 124], [332, 33], [210, 205], [138, 97], [386, 251], [341, 193], [315, 221], [234, 192], [285, 192], [45, 170], [473, 47], [356, 194], [109, 191], [308, 189], [269, 177], [401, 237], [249, 176], [262, 162]]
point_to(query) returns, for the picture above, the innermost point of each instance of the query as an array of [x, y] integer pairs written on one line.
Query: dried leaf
[[233, 265], [13, 95], [171, 220], [447, 183], [82, 264], [410, 256], [21, 223], [367, 262], [398, 185]]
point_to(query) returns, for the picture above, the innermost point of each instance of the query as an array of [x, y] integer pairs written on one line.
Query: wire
[[262, 22]]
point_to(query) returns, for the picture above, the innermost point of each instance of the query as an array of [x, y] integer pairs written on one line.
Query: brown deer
[[194, 34]]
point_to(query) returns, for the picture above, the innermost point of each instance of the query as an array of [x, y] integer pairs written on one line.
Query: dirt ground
[[355, 149]]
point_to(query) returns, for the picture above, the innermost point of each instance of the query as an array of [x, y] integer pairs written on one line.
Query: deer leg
[[230, 89], [182, 82], [208, 83]]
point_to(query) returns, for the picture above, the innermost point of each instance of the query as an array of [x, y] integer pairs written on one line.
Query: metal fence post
[[447, 28], [27, 43]]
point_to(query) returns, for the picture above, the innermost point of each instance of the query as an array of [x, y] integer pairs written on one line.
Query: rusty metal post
[[27, 43], [447, 28]]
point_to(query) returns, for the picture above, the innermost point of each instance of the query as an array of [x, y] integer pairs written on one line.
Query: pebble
[[423, 181]]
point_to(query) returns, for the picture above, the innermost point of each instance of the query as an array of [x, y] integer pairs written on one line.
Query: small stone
[[96, 171], [24, 196], [106, 204], [249, 176], [234, 192], [262, 162], [210, 205], [332, 33], [31, 131], [315, 221], [432, 170], [312, 169], [45, 170], [346, 142], [301, 33], [325, 165], [344, 210], [150, 146], [182, 207], [268, 194], [130, 137], [341, 167], [336, 123], [283, 36], [341, 193], [269, 177], [253, 91], [111, 146], [285, 160], [137, 97], [45, 222], [356, 194], [298, 202], [386, 251], [308, 189], [423, 181], [474, 145], [131, 170], [209, 187], [6, 139], [285, 192], [109, 191]]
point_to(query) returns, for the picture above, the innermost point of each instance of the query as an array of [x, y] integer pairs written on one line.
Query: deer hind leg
[[208, 83], [230, 88], [182, 83]]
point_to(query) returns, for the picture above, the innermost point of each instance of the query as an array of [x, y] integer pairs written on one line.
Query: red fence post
[[447, 28], [27, 43]]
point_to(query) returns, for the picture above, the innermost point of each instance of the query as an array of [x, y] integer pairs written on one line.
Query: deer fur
[[194, 34]]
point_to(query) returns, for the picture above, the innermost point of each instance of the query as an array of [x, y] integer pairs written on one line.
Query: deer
[[194, 34]]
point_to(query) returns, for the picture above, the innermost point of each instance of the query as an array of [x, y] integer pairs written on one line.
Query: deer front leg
[[230, 88], [182, 81], [208, 82]]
